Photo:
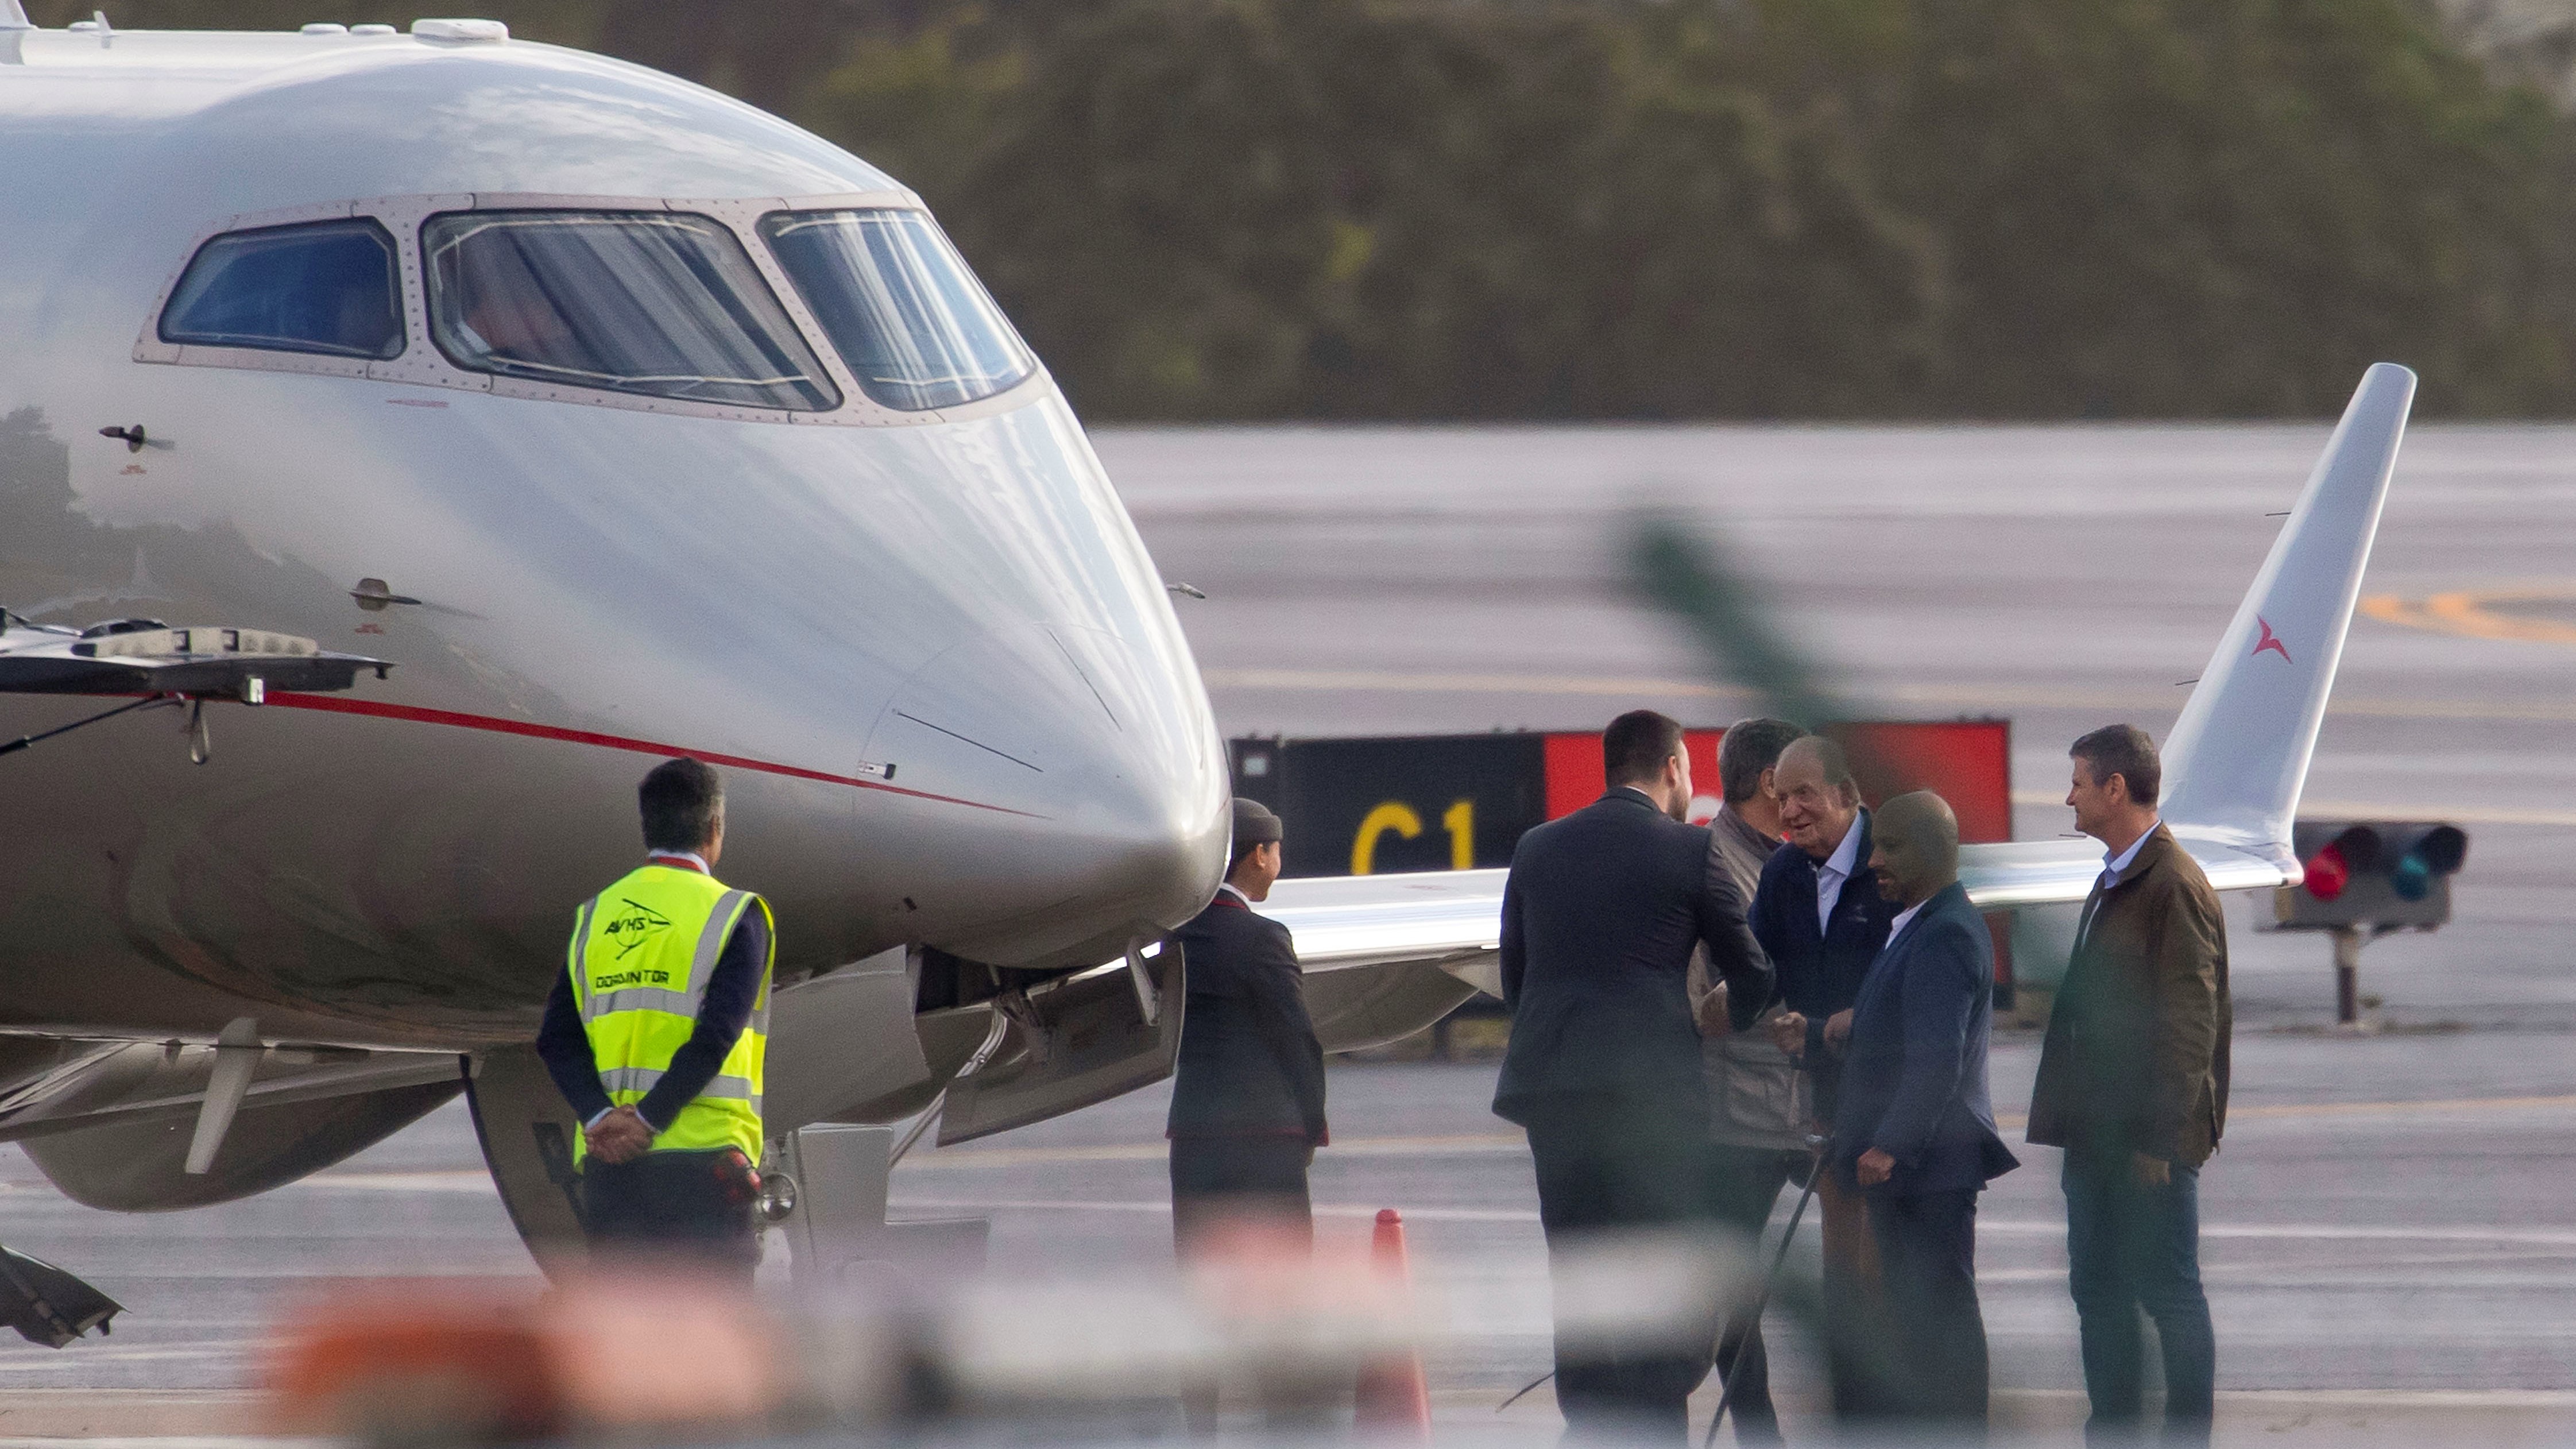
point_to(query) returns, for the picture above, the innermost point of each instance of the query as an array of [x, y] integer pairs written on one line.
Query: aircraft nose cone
[[1098, 778]]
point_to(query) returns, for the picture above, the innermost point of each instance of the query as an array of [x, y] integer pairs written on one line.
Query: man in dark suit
[[1821, 919], [2133, 1084], [1248, 1090], [1914, 1131], [1600, 913]]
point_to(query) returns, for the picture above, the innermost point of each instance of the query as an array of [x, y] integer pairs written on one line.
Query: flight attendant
[[1248, 1092], [656, 1034]]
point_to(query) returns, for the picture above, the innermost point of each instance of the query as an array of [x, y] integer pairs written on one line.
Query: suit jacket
[[1914, 1071], [1820, 971], [2136, 1056], [1600, 913], [1249, 1062]]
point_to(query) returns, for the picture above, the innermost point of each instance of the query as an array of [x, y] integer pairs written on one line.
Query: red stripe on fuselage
[[329, 704]]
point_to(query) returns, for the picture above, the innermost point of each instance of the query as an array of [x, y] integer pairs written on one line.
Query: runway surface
[[2390, 1212]]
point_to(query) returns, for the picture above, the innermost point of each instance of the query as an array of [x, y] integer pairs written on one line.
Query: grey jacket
[[1757, 1096]]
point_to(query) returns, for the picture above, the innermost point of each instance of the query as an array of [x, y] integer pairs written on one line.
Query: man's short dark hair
[[681, 801], [1750, 747], [1636, 745], [2125, 751]]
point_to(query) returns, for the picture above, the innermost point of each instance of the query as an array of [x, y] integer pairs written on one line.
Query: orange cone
[[1392, 1402]]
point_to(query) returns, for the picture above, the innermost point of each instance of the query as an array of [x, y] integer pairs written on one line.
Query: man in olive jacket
[[2133, 1084]]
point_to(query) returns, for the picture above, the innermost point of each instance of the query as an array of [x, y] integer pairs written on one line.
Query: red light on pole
[[2328, 873]]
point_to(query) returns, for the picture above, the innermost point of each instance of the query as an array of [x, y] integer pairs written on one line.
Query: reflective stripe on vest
[[642, 953]]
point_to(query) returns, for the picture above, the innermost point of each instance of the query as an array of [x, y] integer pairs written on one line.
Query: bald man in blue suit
[[1914, 1130]]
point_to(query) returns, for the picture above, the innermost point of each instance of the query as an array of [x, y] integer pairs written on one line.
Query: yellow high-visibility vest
[[642, 951]]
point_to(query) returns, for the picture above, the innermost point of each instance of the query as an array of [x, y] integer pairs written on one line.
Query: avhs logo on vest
[[635, 925]]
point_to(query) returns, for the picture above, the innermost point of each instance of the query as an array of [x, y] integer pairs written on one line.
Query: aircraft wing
[[2234, 765]]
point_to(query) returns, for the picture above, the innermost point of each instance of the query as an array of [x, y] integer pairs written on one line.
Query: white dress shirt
[[1830, 876], [1903, 916], [1226, 888]]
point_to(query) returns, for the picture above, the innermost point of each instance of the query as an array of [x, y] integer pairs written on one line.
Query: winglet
[[2238, 757]]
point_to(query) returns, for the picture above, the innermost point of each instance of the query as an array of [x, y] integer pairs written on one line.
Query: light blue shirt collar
[[2116, 866], [1837, 869]]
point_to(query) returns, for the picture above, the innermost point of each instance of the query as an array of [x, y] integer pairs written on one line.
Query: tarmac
[[2388, 1240]]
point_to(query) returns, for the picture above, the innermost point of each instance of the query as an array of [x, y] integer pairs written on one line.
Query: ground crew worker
[[1247, 1094], [1248, 1090], [657, 1033]]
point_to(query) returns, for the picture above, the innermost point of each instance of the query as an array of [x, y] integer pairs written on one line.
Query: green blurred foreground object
[[1685, 577]]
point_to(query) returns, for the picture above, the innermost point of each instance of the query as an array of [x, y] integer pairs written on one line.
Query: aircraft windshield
[[909, 319], [328, 287], [640, 302]]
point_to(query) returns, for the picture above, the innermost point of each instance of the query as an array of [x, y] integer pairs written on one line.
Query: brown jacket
[[2136, 1054]]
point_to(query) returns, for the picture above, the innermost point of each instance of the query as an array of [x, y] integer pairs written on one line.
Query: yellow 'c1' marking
[[2467, 613], [1394, 815], [1460, 822]]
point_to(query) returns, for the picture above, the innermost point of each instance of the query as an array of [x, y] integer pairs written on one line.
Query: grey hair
[[1750, 747], [2125, 751], [1831, 759]]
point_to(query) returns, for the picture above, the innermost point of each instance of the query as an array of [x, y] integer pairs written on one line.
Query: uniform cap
[[1253, 823]]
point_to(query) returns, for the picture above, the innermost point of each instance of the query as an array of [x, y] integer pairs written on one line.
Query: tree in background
[[1211, 209]]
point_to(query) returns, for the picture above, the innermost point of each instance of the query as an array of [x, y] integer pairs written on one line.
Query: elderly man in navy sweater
[[1914, 1130]]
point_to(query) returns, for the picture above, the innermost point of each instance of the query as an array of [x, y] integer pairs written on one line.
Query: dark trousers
[[1935, 1348], [1604, 1166], [677, 1209], [2133, 1250], [1249, 1191], [1225, 1184]]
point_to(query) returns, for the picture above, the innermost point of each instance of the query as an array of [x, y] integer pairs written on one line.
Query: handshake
[[1789, 1031]]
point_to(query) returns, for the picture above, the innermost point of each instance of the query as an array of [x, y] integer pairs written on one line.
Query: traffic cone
[[1392, 1401]]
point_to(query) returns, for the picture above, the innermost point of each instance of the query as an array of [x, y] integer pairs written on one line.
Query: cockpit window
[[657, 303], [328, 287], [909, 319]]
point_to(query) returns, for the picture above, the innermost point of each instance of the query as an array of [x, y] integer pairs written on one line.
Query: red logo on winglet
[[2270, 641]]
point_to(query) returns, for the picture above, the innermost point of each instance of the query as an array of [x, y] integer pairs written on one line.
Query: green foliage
[[1208, 209]]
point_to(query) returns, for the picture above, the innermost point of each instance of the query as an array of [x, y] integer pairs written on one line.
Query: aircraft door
[[1072, 1042]]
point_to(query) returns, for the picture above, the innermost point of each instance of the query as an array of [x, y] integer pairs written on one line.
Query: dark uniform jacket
[[1600, 913], [1914, 1070], [1820, 972], [2136, 1054], [1249, 1062]]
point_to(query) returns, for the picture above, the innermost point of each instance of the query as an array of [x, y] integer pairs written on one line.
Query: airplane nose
[[1097, 778]]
